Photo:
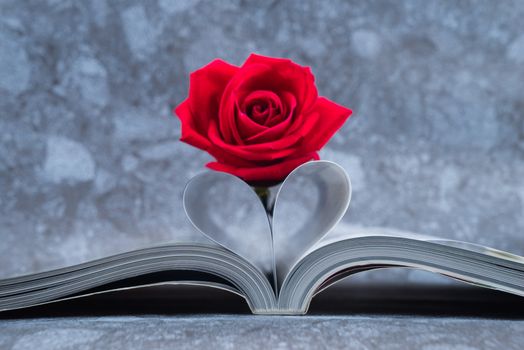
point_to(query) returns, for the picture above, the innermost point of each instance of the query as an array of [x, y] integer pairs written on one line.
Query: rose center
[[262, 107]]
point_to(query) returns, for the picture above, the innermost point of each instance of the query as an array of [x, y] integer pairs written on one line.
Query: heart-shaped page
[[228, 211], [308, 204]]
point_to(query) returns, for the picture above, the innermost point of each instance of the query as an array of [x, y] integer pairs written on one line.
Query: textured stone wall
[[90, 161]]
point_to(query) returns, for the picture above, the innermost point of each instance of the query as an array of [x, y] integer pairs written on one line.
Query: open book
[[279, 261]]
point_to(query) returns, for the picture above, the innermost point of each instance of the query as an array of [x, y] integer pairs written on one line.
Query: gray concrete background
[[90, 161]]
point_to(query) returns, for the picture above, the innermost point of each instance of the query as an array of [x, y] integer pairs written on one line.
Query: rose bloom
[[259, 121]]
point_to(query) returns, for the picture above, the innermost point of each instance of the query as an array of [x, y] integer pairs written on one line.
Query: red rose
[[261, 120]]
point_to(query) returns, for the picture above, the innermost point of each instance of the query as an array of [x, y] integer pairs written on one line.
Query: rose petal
[[289, 76], [267, 174], [248, 127], [287, 110], [190, 133], [275, 132], [261, 112], [206, 86], [330, 117], [228, 102], [271, 61], [260, 95], [258, 152]]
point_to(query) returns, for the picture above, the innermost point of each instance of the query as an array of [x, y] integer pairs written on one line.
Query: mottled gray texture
[[379, 317], [261, 332], [89, 158]]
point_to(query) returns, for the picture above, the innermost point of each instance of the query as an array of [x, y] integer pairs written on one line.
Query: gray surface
[[89, 158], [248, 332], [383, 317]]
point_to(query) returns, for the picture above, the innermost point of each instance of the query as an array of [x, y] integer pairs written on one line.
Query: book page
[[344, 231], [311, 201]]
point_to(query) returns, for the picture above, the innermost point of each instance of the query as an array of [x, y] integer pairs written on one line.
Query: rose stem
[[263, 194]]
